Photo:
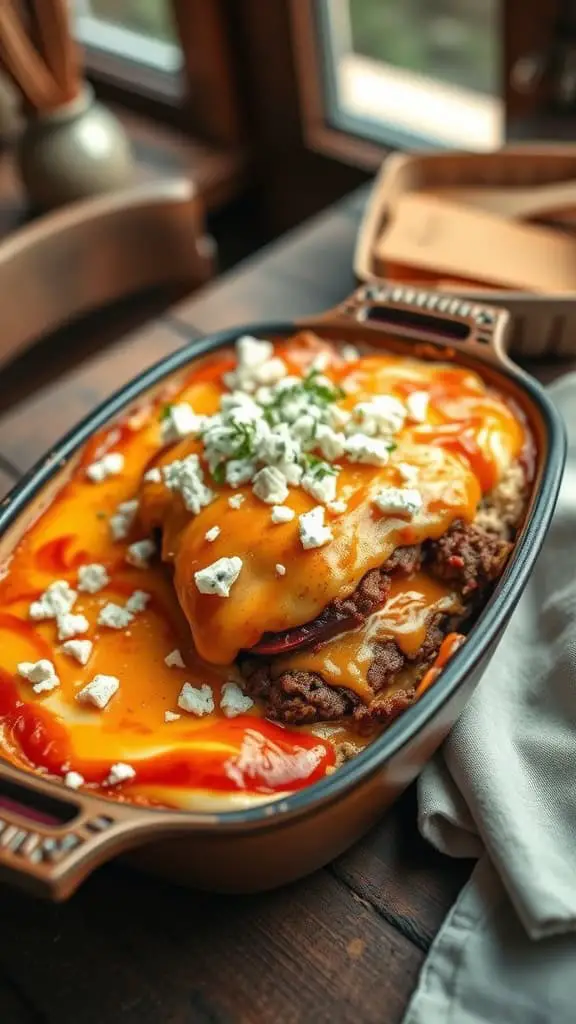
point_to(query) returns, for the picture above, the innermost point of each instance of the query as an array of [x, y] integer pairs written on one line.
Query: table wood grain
[[345, 944]]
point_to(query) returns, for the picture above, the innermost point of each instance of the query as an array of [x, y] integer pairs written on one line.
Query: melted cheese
[[469, 439], [346, 659]]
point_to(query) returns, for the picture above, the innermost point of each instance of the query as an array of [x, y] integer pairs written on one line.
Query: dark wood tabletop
[[343, 945]]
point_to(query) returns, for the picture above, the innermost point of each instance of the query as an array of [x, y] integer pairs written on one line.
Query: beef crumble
[[465, 555]]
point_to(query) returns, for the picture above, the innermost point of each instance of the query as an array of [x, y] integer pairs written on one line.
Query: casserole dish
[[50, 838]]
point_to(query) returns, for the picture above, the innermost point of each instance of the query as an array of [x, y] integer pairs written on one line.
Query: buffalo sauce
[[467, 440]]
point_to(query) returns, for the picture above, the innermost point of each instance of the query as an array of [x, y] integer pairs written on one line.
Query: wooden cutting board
[[428, 233]]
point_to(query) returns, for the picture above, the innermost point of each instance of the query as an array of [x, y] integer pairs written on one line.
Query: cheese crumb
[[383, 414], [233, 701], [114, 616], [137, 601], [180, 421], [140, 552], [270, 486], [70, 625], [92, 578], [79, 649], [218, 577], [153, 476], [99, 691], [74, 780], [120, 772], [212, 534], [174, 659], [349, 353], [320, 484], [186, 477], [371, 451], [196, 700], [236, 500], [395, 501], [171, 716], [417, 406], [282, 514], [313, 532], [121, 522], [338, 507], [280, 569], [408, 473], [110, 464], [56, 600], [42, 674]]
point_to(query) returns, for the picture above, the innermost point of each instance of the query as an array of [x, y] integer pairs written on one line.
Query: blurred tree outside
[[455, 41], [148, 17]]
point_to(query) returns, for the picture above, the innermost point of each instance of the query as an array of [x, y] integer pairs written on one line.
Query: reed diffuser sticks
[[38, 52]]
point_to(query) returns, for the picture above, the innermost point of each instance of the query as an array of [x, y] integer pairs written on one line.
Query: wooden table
[[343, 945]]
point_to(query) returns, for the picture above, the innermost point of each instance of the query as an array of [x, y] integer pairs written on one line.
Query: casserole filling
[[249, 577]]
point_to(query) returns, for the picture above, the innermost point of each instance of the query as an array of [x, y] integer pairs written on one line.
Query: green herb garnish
[[219, 474], [165, 411]]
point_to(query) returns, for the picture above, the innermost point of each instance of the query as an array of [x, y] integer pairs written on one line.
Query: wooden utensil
[[452, 240]]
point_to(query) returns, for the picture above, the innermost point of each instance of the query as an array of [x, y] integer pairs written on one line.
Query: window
[[416, 71], [467, 74], [139, 30]]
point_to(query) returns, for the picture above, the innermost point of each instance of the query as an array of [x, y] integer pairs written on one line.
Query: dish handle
[[50, 840], [425, 316]]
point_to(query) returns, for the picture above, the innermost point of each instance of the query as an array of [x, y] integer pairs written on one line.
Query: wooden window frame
[[528, 27], [203, 99]]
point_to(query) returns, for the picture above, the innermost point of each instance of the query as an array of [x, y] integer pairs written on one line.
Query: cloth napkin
[[503, 789]]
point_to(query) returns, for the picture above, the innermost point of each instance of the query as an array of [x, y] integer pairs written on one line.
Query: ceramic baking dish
[[541, 325], [51, 837]]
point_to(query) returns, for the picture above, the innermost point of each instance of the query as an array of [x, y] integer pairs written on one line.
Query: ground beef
[[465, 556], [347, 613], [299, 698], [468, 557]]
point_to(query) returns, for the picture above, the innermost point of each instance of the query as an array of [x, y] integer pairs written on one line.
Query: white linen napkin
[[503, 788]]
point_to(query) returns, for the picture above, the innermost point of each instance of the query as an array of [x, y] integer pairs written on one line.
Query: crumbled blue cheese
[[140, 552], [371, 451], [186, 477], [153, 475], [256, 365], [56, 600], [349, 353], [212, 534], [282, 514], [197, 700], [417, 406], [119, 773], [70, 625], [405, 503], [320, 482], [74, 780], [180, 421], [330, 442], [121, 522], [280, 569], [110, 464], [313, 532], [219, 577], [236, 501], [338, 507], [42, 674], [382, 415], [92, 578], [233, 701], [99, 691], [239, 471], [171, 716], [114, 616], [174, 659], [269, 485], [78, 649], [137, 602]]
